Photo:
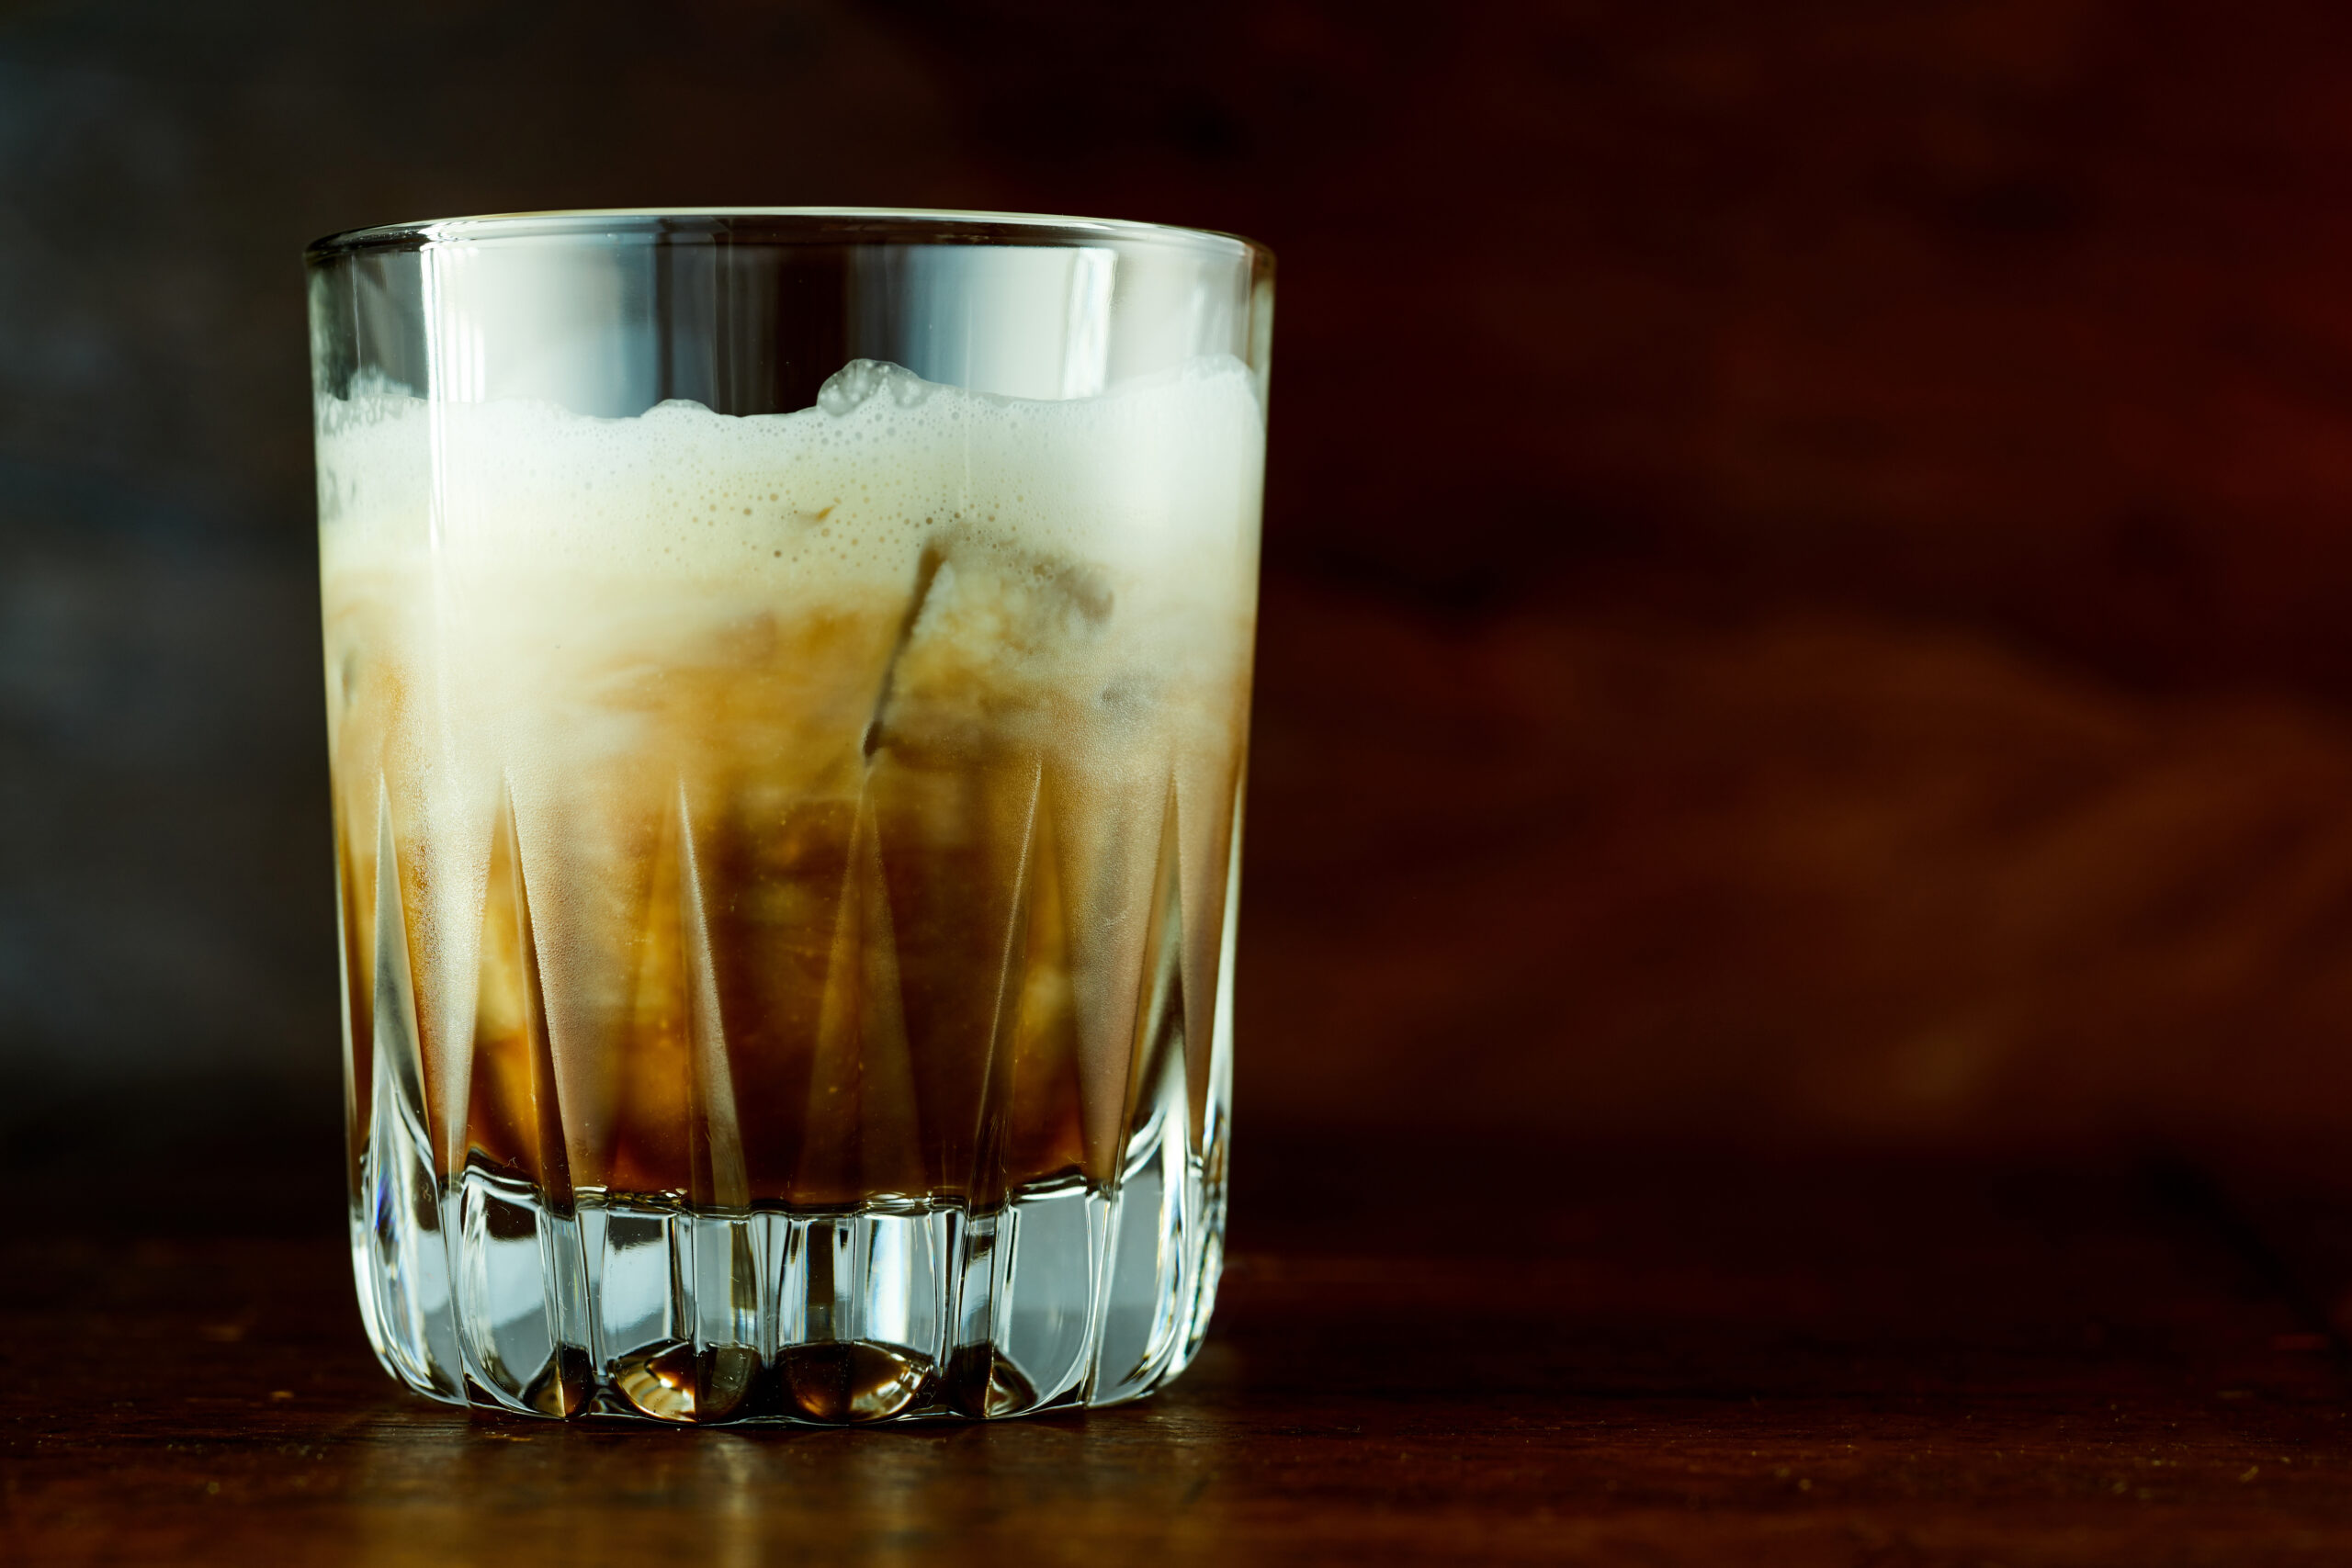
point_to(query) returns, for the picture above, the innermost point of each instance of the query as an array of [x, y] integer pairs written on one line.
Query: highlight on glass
[[788, 685]]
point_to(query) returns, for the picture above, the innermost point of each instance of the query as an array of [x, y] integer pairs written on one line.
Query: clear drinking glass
[[787, 681]]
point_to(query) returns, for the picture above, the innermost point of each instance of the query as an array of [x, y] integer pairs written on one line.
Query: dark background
[[1807, 551]]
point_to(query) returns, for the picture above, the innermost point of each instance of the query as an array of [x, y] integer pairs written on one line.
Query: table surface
[[1644, 1358]]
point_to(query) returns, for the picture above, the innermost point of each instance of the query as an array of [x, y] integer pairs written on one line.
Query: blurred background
[[1807, 551]]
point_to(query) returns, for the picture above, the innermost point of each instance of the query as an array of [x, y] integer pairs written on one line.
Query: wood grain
[[1644, 1359]]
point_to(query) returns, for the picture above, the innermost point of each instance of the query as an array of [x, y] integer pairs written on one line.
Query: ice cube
[[850, 387]]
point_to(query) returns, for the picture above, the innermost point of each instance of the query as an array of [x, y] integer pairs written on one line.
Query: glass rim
[[803, 225]]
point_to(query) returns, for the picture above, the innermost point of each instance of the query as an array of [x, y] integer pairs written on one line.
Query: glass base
[[477, 1292]]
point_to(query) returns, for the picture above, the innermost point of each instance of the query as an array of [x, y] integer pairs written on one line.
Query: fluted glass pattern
[[871, 1272], [787, 835]]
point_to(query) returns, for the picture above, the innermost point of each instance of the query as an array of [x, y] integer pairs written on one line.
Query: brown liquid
[[788, 900]]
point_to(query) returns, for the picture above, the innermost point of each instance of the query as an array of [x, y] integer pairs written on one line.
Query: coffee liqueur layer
[[808, 808]]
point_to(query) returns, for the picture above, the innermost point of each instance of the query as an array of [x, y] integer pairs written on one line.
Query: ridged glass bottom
[[476, 1292]]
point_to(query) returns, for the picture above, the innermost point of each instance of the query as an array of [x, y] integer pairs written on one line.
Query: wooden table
[[1644, 1359]]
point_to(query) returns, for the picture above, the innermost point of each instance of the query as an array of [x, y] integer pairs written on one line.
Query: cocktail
[[788, 681]]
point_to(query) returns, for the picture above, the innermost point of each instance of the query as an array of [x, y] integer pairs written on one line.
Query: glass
[[787, 685]]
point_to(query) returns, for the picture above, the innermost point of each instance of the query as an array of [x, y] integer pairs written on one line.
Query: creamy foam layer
[[845, 493], [606, 631], [553, 557]]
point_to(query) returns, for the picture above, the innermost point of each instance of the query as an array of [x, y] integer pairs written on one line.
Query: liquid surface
[[797, 808]]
